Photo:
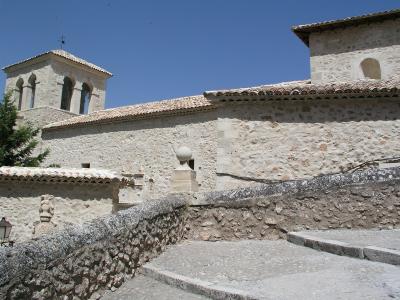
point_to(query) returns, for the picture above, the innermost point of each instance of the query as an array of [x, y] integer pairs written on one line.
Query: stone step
[[248, 270], [272, 270], [375, 245], [145, 288], [195, 285]]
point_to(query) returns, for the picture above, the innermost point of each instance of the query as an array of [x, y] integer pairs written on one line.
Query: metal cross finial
[[62, 41]]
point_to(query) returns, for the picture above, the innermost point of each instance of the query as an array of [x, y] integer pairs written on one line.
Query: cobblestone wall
[[80, 261], [361, 200]]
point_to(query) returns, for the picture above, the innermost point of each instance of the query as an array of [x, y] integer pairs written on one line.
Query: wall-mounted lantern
[[5, 230]]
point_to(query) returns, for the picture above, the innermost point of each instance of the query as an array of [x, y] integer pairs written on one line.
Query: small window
[[32, 82], [191, 164], [66, 95], [371, 68], [85, 165], [20, 88]]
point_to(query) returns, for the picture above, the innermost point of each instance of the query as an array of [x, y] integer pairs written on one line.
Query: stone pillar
[[75, 101], [46, 212], [132, 193], [184, 178]]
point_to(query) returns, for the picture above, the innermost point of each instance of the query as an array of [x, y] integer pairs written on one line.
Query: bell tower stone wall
[[40, 80], [338, 55]]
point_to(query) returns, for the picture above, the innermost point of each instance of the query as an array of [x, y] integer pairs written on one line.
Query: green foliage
[[17, 143], [54, 166]]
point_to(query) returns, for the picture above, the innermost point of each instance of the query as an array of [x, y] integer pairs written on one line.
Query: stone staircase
[[144, 287], [250, 269]]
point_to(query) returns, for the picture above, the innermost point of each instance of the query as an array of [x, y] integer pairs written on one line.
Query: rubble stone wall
[[286, 140], [81, 261], [353, 201]]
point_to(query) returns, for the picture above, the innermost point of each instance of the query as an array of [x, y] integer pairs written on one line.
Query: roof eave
[[104, 73], [182, 111], [43, 57], [233, 97], [33, 60], [304, 31]]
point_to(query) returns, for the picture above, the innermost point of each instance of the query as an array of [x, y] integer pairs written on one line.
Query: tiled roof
[[66, 55], [303, 31], [304, 88], [139, 111], [60, 175]]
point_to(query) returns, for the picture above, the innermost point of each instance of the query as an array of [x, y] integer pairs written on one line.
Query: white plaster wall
[[299, 139], [148, 143], [20, 202], [336, 54]]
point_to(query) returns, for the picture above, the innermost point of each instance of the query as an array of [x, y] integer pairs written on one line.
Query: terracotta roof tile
[[66, 55], [303, 31], [60, 175], [139, 111], [298, 89]]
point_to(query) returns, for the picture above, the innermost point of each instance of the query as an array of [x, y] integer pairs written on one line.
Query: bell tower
[[56, 85]]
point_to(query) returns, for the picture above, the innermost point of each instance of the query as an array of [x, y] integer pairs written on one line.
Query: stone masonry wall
[[81, 261], [79, 75], [42, 116], [49, 82], [274, 140], [42, 72], [368, 199], [336, 54], [73, 204], [286, 140], [150, 144]]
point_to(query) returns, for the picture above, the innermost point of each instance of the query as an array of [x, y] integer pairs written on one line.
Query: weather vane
[[62, 41]]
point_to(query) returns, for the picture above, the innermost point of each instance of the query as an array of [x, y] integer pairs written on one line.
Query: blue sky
[[165, 49]]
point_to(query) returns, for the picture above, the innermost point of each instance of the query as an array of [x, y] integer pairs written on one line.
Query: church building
[[346, 114]]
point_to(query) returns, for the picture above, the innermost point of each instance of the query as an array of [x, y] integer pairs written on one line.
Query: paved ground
[[145, 288], [265, 270], [389, 239]]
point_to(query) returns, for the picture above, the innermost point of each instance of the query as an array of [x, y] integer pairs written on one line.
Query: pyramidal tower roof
[[63, 54]]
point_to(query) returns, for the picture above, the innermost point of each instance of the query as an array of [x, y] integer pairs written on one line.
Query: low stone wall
[[81, 260], [369, 199], [73, 204]]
